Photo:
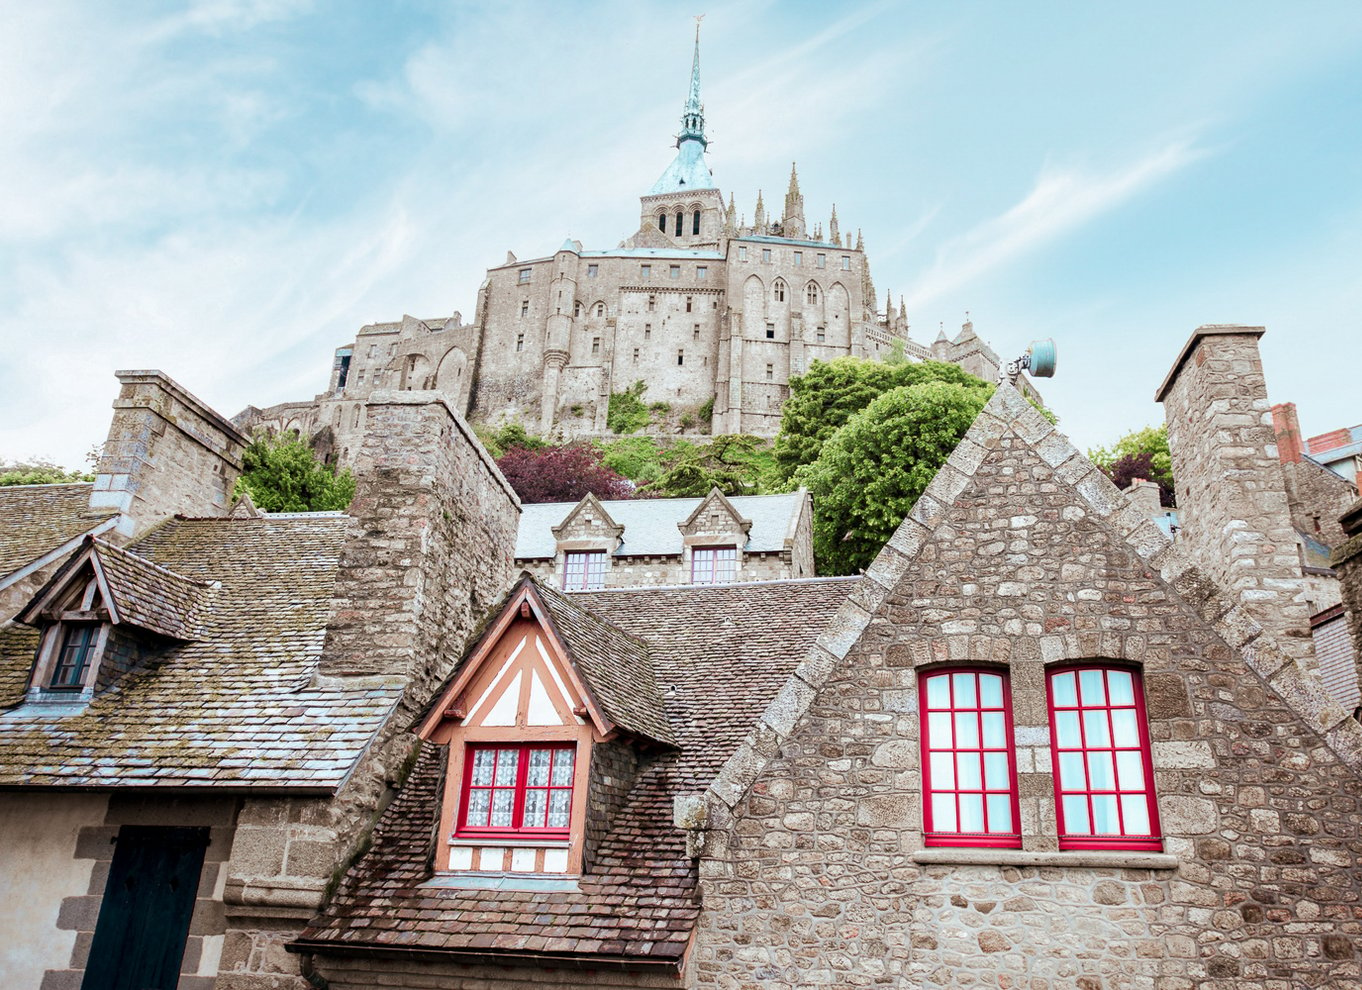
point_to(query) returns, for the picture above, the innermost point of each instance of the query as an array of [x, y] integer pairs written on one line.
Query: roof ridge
[[717, 587]]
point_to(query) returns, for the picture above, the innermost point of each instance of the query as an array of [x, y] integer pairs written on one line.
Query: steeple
[[834, 232], [759, 217], [693, 117], [731, 218], [792, 223], [860, 241]]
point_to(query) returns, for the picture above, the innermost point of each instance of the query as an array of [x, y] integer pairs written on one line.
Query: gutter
[[485, 956]]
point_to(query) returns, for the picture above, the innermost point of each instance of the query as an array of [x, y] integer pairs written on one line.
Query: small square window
[[652, 304], [821, 261], [524, 275], [799, 259], [770, 372], [584, 570], [520, 341], [524, 307], [647, 331], [695, 332], [689, 303], [680, 357], [674, 271], [701, 272], [846, 262], [645, 271], [766, 254], [592, 271], [636, 355], [595, 345], [742, 252], [770, 331], [821, 335], [713, 565]]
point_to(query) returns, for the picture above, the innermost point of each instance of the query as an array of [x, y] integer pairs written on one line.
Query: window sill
[[1080, 858], [537, 882], [509, 842]]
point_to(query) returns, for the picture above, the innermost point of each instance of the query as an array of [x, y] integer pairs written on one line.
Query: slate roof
[[720, 654], [36, 519], [232, 709], [617, 667], [650, 524]]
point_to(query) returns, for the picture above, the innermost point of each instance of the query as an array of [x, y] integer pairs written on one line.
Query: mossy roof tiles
[[36, 519], [719, 655], [235, 707]]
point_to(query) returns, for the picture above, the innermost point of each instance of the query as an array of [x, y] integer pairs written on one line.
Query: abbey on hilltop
[[714, 314]]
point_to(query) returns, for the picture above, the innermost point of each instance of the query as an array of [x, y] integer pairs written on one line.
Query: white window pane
[[966, 730], [508, 761], [995, 772], [479, 802], [537, 774], [990, 691], [943, 813], [1071, 773], [1066, 730], [1125, 730], [536, 804], [1090, 683], [1121, 685], [483, 761], [1076, 815], [1135, 812], [1104, 818], [1062, 687], [503, 804], [968, 775], [939, 732], [939, 691], [971, 812], [943, 771], [560, 805], [563, 762], [995, 736], [1130, 771], [1095, 729], [999, 813], [1101, 771], [964, 690]]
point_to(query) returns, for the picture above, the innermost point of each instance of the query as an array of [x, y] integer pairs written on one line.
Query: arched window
[[695, 223], [779, 290], [680, 221], [662, 222], [811, 294]]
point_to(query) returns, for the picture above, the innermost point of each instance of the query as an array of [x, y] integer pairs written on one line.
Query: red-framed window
[[517, 789], [1104, 777], [969, 774], [713, 565], [583, 570]]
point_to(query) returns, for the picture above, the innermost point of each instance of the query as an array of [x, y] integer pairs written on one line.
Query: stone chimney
[[1231, 493], [167, 453], [1287, 429], [1144, 495], [433, 546]]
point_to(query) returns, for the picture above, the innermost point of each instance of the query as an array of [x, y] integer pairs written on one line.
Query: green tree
[[736, 464], [508, 435], [38, 472], [874, 468], [282, 474], [1138, 454], [825, 397], [627, 412]]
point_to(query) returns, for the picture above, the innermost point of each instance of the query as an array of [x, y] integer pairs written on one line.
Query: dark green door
[[144, 918]]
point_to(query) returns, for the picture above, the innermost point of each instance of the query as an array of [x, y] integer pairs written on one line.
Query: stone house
[[591, 544], [1034, 744]]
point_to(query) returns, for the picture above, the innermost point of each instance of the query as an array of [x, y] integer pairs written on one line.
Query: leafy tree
[[734, 463], [872, 469], [1139, 454], [509, 435], [38, 472], [637, 458], [627, 412], [825, 397], [282, 474], [561, 474]]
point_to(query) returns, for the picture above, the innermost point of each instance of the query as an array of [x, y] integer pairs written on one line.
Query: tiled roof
[[720, 654], [36, 519], [149, 596], [650, 523], [617, 667], [234, 708]]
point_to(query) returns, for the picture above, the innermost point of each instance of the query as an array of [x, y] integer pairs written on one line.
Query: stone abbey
[[713, 313]]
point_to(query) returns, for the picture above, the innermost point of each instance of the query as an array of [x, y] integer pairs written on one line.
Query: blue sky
[[228, 189]]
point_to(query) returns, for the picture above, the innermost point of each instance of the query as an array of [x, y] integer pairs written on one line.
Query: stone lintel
[[1079, 858], [1209, 330]]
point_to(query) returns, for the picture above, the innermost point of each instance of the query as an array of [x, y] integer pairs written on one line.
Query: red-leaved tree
[[561, 474]]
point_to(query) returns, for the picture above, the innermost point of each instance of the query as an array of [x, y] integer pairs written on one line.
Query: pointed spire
[[834, 232], [888, 304], [792, 223], [693, 117], [860, 241], [731, 217], [903, 310], [759, 217]]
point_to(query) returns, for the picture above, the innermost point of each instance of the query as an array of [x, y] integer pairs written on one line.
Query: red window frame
[[583, 570], [713, 565], [1101, 763], [962, 713], [519, 788]]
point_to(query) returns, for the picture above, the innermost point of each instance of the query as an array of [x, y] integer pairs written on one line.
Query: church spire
[[693, 117], [834, 232], [792, 223], [759, 218]]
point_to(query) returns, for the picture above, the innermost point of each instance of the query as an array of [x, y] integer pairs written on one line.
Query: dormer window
[[68, 655], [518, 790], [713, 565], [78, 647], [583, 570]]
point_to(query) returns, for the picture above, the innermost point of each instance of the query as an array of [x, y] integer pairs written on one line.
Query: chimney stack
[[1287, 428], [1231, 492], [1143, 494]]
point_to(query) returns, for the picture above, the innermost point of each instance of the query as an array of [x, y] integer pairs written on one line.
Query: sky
[[227, 190]]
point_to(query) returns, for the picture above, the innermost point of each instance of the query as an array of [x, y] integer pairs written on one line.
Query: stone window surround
[[584, 548], [689, 544]]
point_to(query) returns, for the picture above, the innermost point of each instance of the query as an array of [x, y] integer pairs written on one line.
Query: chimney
[[1288, 431], [167, 453], [432, 546], [1231, 492], [1144, 495]]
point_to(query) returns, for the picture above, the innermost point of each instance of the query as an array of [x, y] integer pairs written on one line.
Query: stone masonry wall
[[166, 452], [1231, 494], [614, 767], [1317, 497], [820, 877], [435, 525]]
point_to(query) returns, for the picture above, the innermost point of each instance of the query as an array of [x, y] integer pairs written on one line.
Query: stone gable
[[815, 869]]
